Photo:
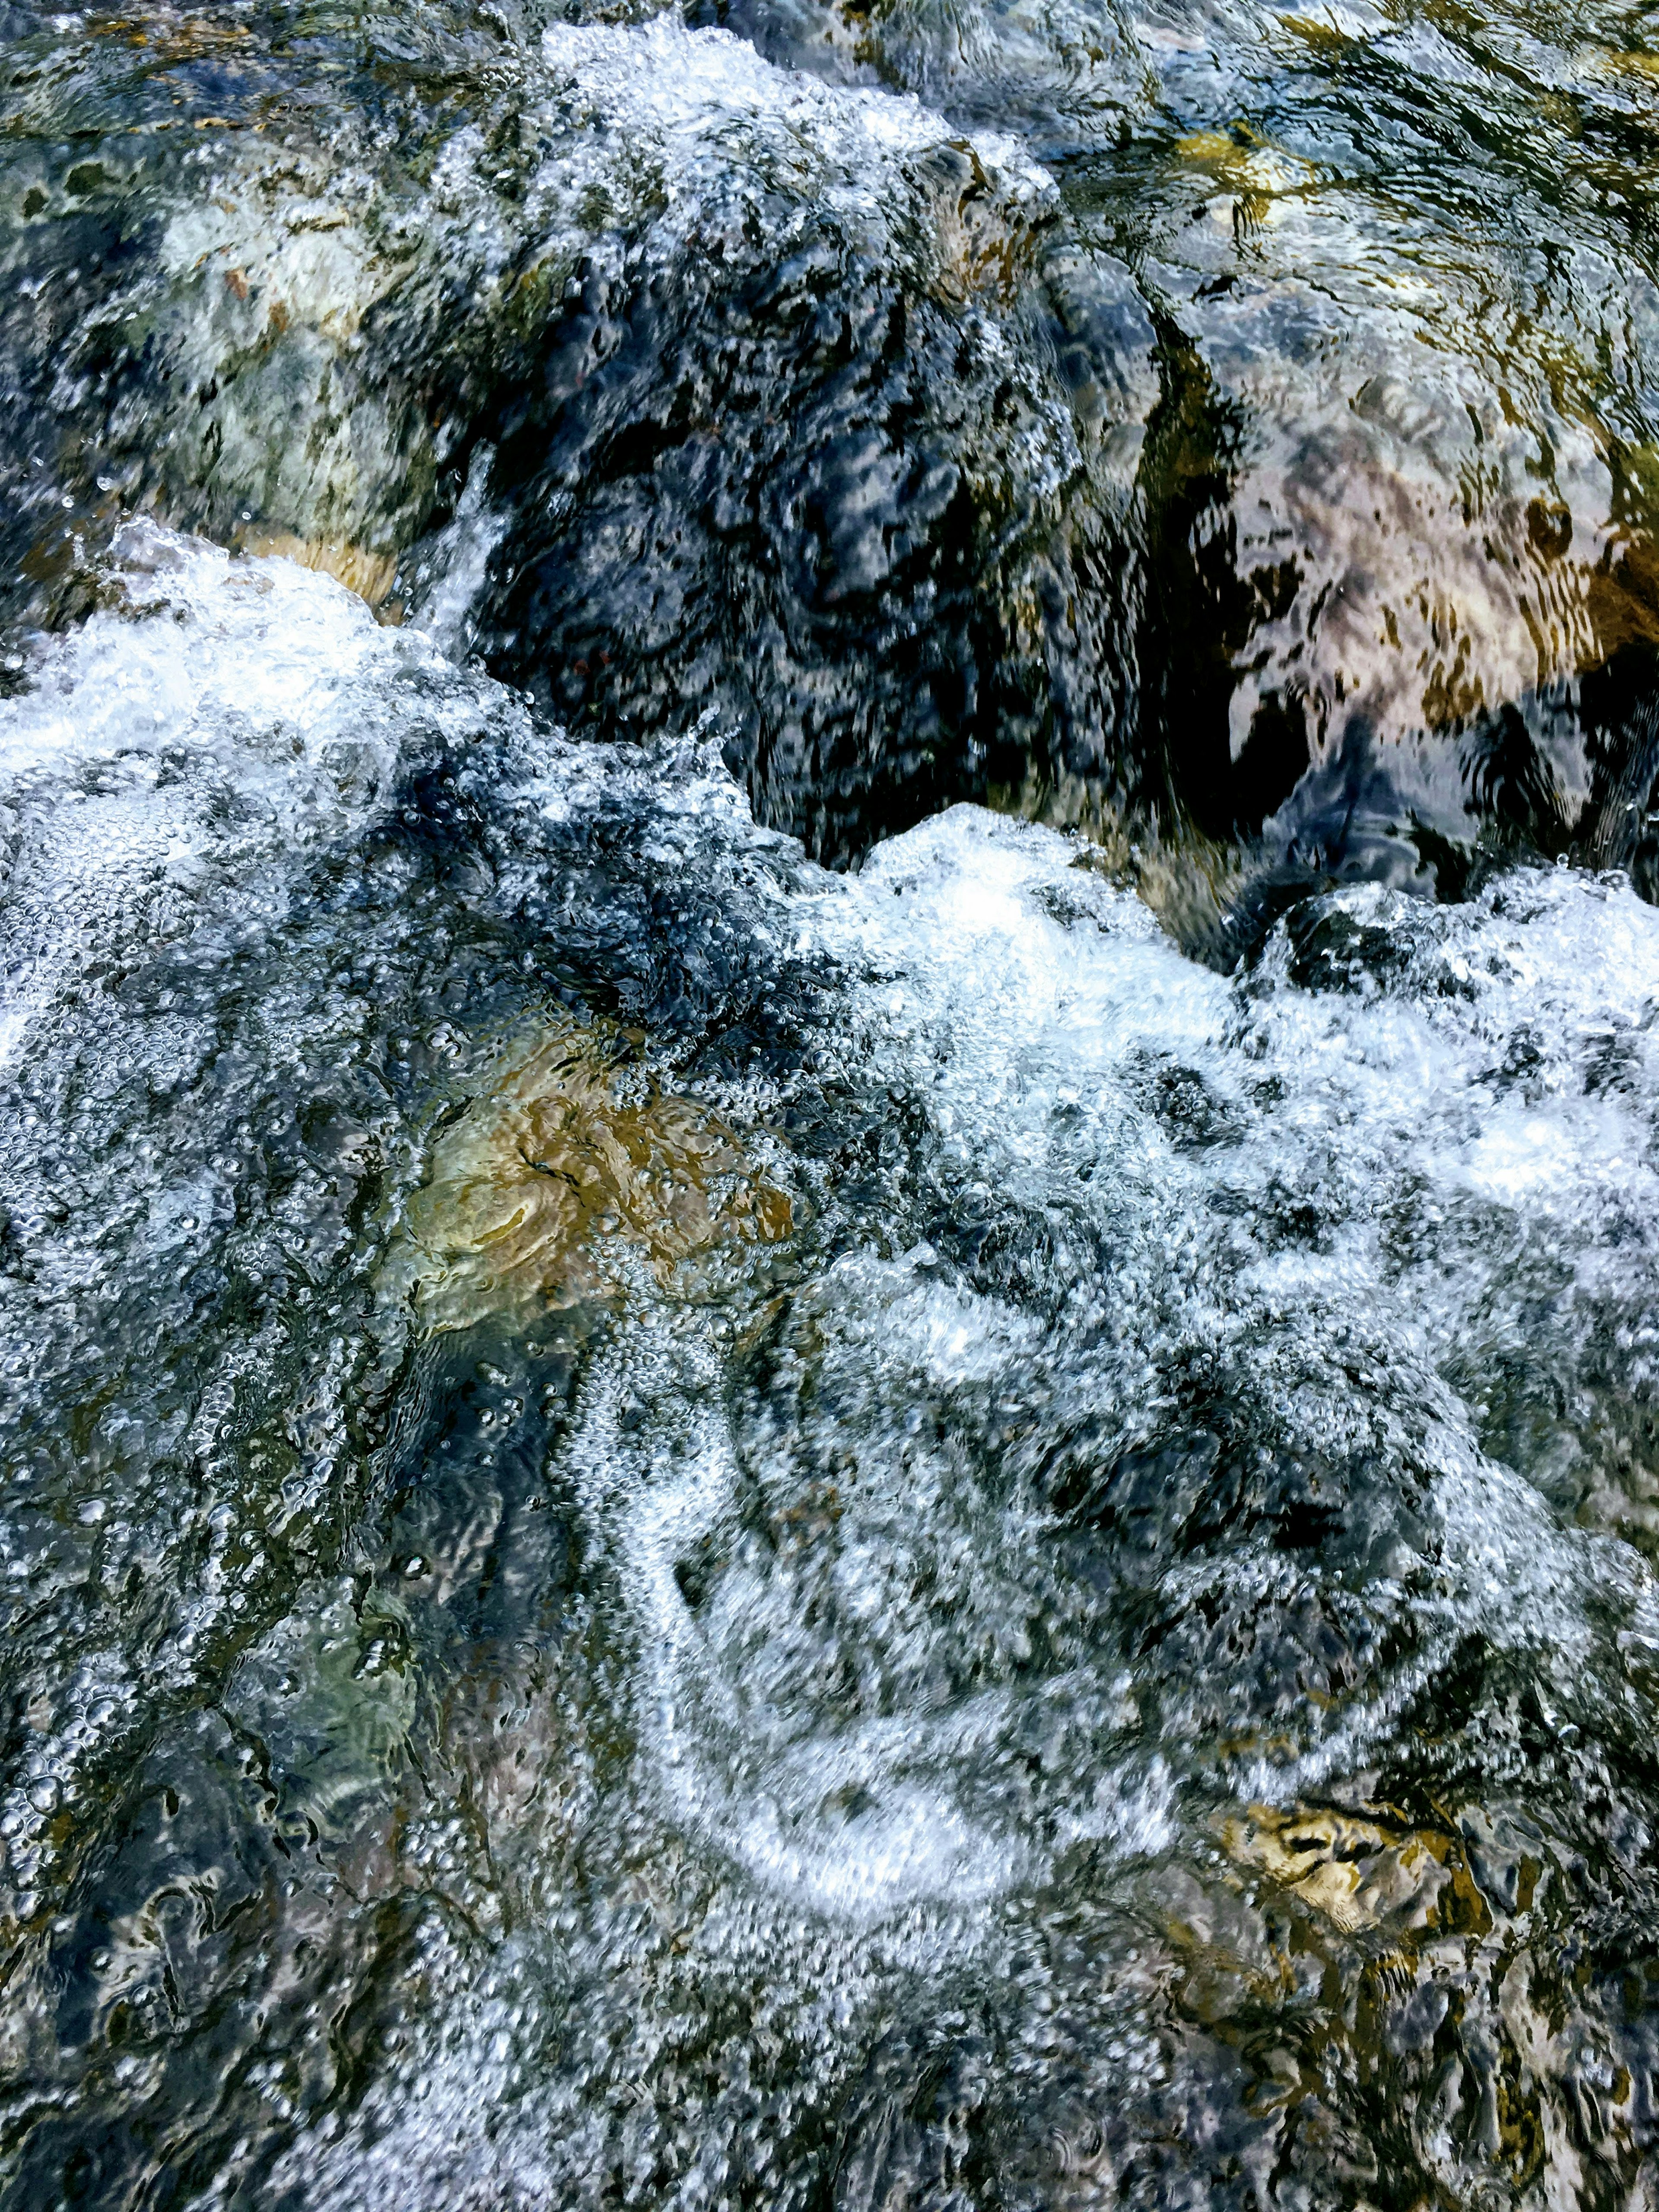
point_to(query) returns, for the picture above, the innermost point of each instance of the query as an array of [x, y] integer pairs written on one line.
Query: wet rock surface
[[1075, 410]]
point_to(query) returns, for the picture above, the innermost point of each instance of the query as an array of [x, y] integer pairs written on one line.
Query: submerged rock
[[1117, 1654], [571, 1152], [1007, 1571], [765, 370], [1266, 490]]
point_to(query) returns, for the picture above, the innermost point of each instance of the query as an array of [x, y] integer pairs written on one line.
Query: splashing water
[[683, 1529]]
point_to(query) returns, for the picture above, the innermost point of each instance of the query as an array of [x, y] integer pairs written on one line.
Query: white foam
[[680, 90], [227, 715]]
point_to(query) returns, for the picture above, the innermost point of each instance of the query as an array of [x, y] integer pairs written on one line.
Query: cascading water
[[829, 1269]]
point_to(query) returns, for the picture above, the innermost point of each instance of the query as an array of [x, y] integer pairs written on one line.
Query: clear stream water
[[829, 1023]]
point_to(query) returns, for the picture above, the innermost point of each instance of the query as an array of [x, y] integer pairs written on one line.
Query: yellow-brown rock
[[575, 1155]]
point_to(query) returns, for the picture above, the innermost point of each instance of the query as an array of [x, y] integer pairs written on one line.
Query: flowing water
[[829, 1233]]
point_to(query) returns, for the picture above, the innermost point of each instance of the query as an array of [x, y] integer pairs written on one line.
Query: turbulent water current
[[829, 1106]]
